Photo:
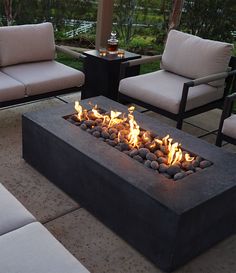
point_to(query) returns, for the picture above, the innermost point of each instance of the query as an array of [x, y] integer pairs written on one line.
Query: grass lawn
[[72, 62]]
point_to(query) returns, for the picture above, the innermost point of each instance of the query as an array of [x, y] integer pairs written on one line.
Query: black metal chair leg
[[219, 140], [179, 124]]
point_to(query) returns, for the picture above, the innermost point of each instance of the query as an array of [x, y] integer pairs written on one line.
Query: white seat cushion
[[10, 89], [13, 214], [32, 249], [229, 126], [164, 90], [26, 43], [193, 57], [43, 77]]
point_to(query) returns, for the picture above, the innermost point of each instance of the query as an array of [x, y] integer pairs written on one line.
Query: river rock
[[133, 152], [151, 156], [195, 163], [159, 153], [154, 165], [143, 152], [89, 123], [96, 134], [124, 146], [205, 163], [111, 143], [173, 169], [105, 134], [112, 131], [163, 168], [187, 166], [98, 128], [83, 126], [147, 163], [162, 160], [138, 158], [180, 175]]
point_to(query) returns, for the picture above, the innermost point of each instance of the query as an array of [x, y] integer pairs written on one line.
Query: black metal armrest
[[210, 78], [70, 52], [227, 110], [199, 81], [228, 105], [142, 60]]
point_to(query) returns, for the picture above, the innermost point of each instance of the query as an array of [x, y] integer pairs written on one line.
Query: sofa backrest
[[26, 43], [193, 57]]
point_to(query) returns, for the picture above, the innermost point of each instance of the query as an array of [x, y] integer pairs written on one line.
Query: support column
[[104, 22]]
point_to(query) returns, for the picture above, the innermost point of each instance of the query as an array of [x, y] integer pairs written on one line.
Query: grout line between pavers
[[57, 97], [61, 215], [189, 123]]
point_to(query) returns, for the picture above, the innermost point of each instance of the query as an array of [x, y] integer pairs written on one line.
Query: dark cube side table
[[102, 73]]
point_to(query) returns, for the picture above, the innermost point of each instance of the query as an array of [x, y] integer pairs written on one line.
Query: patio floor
[[97, 247]]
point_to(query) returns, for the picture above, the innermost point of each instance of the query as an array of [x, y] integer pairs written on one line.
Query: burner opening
[[121, 131]]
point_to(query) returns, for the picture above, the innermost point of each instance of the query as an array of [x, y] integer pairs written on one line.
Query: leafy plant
[[212, 19]]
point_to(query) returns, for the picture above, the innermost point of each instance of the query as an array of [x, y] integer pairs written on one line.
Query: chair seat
[[43, 77], [10, 89], [13, 215], [163, 89], [32, 249], [229, 127]]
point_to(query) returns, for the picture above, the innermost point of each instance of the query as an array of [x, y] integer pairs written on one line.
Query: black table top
[[112, 57]]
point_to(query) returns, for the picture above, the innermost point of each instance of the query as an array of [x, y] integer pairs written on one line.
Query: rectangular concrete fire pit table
[[168, 221]]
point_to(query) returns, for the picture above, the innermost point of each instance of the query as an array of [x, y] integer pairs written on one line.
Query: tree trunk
[[176, 14], [8, 11]]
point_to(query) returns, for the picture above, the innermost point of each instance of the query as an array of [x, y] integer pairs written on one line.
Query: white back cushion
[[26, 43], [193, 57]]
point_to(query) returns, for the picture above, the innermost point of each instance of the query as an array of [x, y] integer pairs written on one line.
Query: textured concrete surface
[[40, 196], [98, 248], [102, 251]]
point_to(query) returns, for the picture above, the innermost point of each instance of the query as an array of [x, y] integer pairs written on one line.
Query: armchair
[[28, 69], [227, 127], [195, 76]]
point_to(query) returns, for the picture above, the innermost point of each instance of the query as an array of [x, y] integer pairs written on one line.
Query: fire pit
[[170, 221], [124, 133]]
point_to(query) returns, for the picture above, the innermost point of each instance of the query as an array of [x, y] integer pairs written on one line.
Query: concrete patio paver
[[96, 246], [102, 251], [40, 197]]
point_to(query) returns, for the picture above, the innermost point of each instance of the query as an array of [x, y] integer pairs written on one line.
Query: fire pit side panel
[[204, 226], [144, 222]]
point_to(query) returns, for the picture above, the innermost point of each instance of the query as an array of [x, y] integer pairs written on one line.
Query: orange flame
[[114, 118], [173, 151], [146, 136], [188, 158], [79, 110], [134, 128]]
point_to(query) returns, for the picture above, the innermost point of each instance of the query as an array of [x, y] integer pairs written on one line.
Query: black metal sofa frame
[[61, 49]]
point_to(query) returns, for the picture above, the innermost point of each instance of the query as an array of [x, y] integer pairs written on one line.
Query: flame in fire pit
[[128, 131], [134, 129], [79, 110]]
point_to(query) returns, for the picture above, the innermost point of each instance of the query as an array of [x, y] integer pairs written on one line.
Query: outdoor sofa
[[28, 69], [26, 246]]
